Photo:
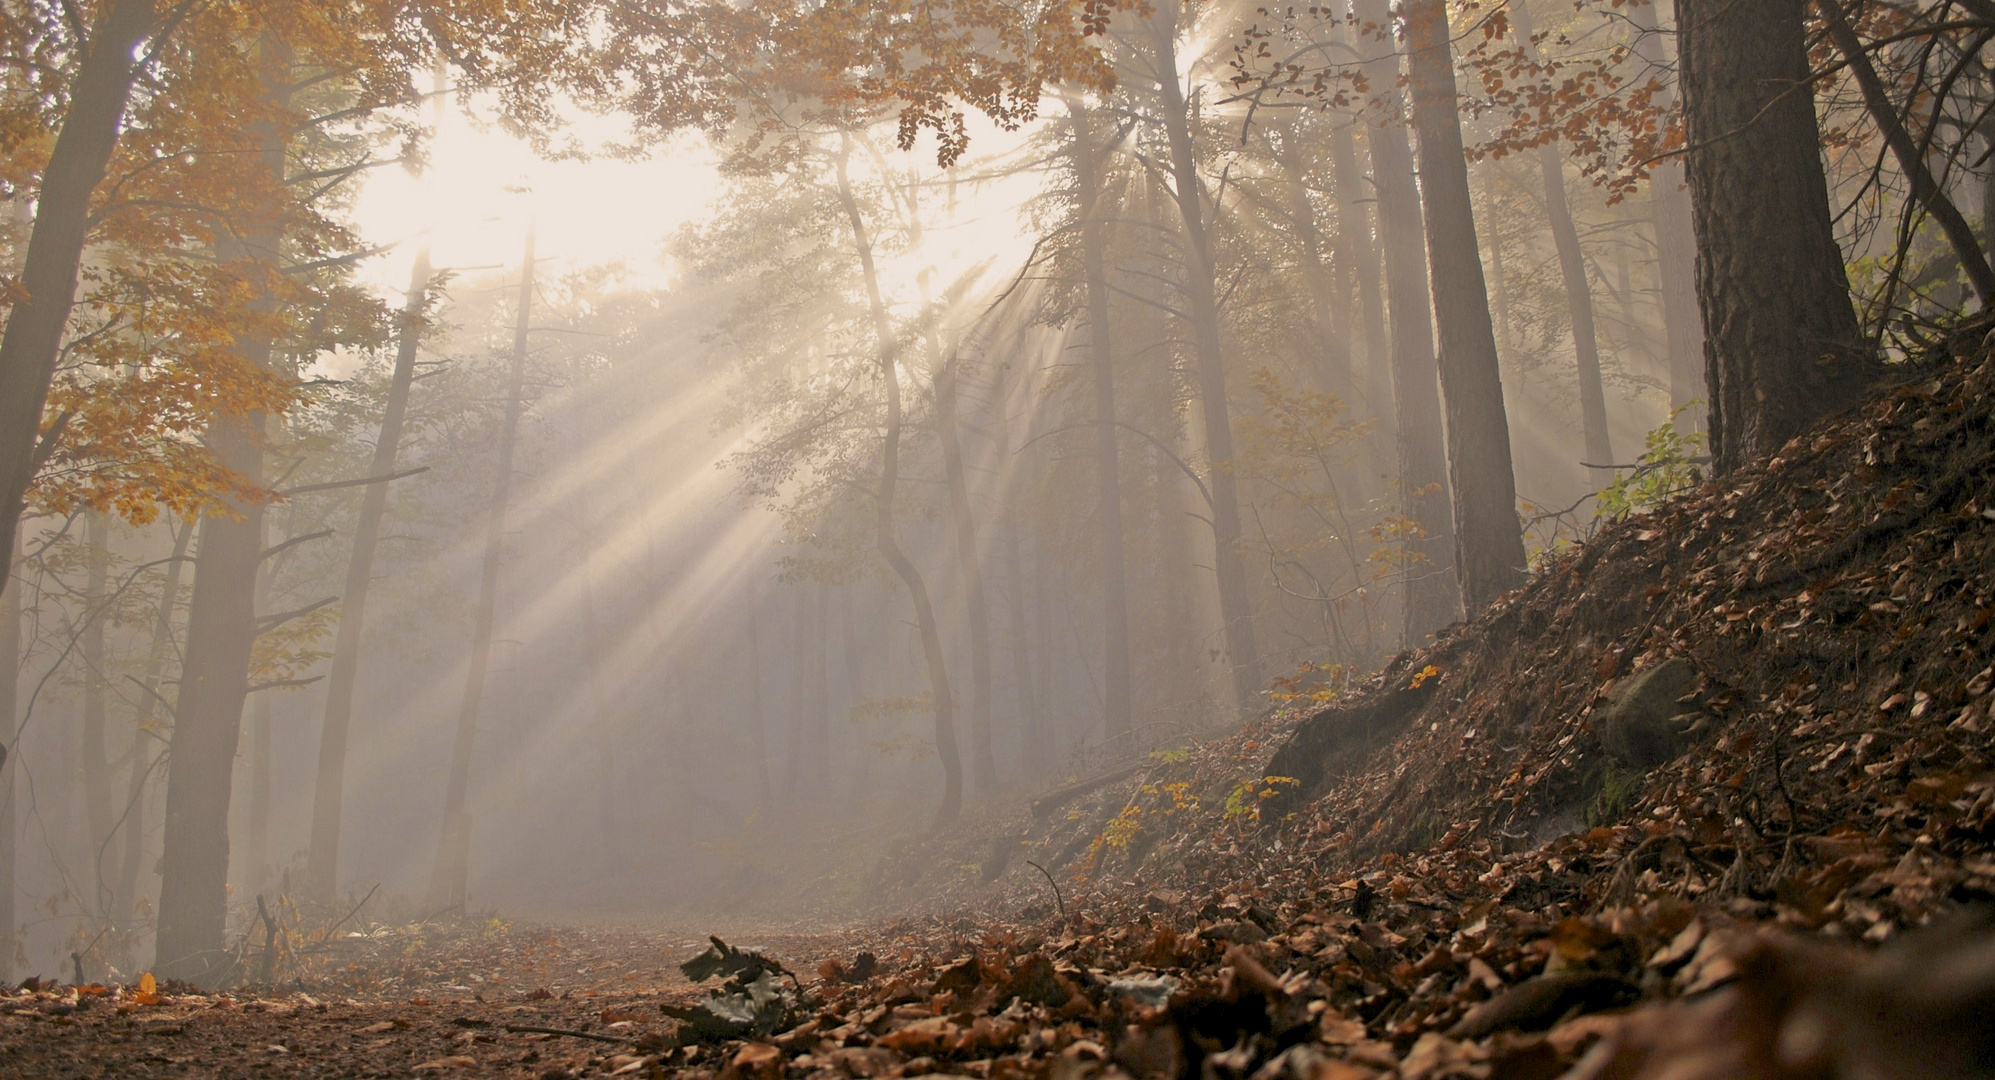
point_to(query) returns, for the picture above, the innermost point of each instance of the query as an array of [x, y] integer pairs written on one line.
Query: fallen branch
[[528, 1029], [1056, 888]]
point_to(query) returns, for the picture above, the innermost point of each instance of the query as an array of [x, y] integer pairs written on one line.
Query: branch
[[363, 481], [293, 542], [272, 622]]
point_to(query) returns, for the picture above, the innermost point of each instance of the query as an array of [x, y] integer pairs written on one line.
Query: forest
[[1102, 540]]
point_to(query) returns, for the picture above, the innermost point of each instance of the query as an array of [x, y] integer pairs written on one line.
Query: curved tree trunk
[[1782, 348], [329, 792], [885, 538], [1433, 598], [1201, 292], [1489, 539], [37, 318]]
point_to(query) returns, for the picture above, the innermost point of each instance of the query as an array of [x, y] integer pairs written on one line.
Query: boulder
[[1645, 721]]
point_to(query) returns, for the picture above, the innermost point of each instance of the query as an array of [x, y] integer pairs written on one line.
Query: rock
[[1643, 723]]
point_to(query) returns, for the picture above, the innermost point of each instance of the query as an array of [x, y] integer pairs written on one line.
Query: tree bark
[[1489, 540], [221, 622], [884, 532], [96, 763], [1202, 306], [1356, 237], [1676, 243], [1034, 755], [1433, 598], [1089, 165], [329, 790], [449, 881], [10, 675], [47, 287], [1579, 291], [983, 763], [1782, 348]]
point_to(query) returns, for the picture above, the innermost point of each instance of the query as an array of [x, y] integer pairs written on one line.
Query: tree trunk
[[10, 730], [756, 731], [983, 764], [1034, 755], [221, 627], [1579, 291], [1782, 348], [1202, 305], [96, 764], [1433, 599], [453, 853], [1925, 189], [1089, 165], [885, 538], [329, 790], [145, 730], [1355, 236], [1489, 539], [47, 286], [1676, 244]]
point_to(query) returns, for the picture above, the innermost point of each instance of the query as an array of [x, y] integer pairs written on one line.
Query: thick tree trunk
[[885, 533], [221, 625], [1579, 291], [1676, 243], [1782, 348], [1489, 540], [96, 763], [983, 763], [1433, 598], [449, 880], [145, 730], [1089, 165], [1201, 296], [47, 286], [329, 790]]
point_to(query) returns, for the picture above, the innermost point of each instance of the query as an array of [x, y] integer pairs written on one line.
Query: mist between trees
[[1268, 345]]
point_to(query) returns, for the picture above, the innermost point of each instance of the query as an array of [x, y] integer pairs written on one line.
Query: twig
[[356, 910], [269, 941], [528, 1029], [1054, 884]]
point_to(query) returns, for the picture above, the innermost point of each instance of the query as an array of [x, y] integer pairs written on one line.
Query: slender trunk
[[1489, 539], [329, 791], [1029, 720], [1782, 347], [221, 625], [1325, 299], [1202, 304], [1089, 165], [96, 764], [1676, 242], [47, 286], [1355, 236], [601, 730], [1925, 189], [794, 751], [257, 874], [1572, 268], [10, 676], [453, 852], [146, 730], [755, 721], [885, 538], [1433, 599], [983, 764], [1049, 727]]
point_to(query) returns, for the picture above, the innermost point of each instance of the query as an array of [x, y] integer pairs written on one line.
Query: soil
[[1482, 861]]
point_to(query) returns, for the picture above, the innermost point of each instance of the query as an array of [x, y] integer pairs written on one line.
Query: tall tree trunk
[[47, 286], [1489, 539], [1925, 189], [756, 730], [145, 729], [1676, 243], [794, 750], [329, 790], [10, 767], [1034, 755], [1089, 165], [983, 763], [1355, 236], [1326, 300], [1572, 268], [1433, 598], [96, 763], [221, 624], [453, 852], [885, 537], [1781, 343], [1202, 305]]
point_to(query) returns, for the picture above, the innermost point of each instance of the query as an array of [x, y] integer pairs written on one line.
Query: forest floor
[[1712, 796]]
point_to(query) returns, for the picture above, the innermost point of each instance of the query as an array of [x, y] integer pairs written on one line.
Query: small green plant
[[1170, 757], [1671, 464], [1243, 803]]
